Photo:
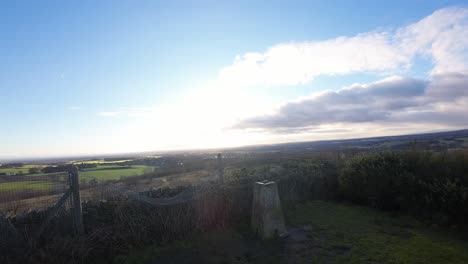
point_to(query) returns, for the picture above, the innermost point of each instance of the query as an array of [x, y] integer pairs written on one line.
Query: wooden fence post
[[76, 210], [220, 169]]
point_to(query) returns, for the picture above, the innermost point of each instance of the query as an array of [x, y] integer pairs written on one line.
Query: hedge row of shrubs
[[433, 186]]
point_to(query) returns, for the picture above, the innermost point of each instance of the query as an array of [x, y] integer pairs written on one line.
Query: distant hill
[[437, 141]]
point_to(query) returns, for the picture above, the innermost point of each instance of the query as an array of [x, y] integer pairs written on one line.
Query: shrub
[[433, 186]]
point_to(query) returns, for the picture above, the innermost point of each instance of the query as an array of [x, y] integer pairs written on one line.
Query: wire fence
[[21, 194], [35, 192], [24, 193]]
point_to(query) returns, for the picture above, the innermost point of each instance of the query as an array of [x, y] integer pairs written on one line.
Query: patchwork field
[[25, 186], [106, 173], [23, 169]]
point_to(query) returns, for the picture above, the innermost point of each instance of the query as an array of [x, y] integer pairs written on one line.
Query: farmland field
[[26, 185], [106, 173], [24, 169]]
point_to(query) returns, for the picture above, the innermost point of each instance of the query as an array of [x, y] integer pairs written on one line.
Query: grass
[[378, 237], [26, 185], [24, 169], [106, 173], [225, 246], [337, 233]]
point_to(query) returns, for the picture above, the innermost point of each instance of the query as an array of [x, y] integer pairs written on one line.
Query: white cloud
[[392, 101], [441, 36], [439, 101], [297, 63]]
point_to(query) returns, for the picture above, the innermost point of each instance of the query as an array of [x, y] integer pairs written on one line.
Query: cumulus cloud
[[449, 86], [440, 37], [391, 100], [441, 99], [297, 63], [357, 103]]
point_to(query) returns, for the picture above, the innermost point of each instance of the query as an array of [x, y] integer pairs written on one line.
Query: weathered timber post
[[76, 209], [267, 217], [220, 169]]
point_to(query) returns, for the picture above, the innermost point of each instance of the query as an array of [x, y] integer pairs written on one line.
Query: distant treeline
[[119, 158], [173, 165], [63, 168], [430, 185], [11, 165]]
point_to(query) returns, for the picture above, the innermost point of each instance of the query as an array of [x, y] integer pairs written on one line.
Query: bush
[[380, 180], [433, 186]]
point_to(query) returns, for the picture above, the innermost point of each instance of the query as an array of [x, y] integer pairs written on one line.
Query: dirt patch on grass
[[306, 244]]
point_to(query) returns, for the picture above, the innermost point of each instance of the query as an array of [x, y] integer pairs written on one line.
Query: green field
[[26, 185], [24, 169], [106, 173]]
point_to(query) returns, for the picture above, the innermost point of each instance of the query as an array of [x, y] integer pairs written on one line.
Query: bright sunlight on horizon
[[83, 78]]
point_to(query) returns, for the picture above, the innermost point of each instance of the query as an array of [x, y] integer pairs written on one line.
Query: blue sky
[[85, 77]]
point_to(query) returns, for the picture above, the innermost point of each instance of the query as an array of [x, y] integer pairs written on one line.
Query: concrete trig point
[[267, 216]]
